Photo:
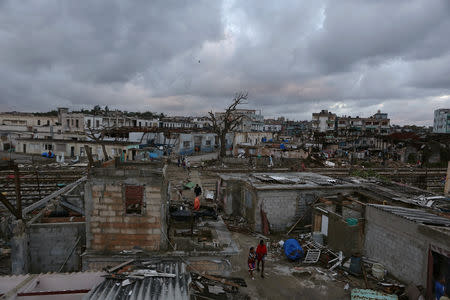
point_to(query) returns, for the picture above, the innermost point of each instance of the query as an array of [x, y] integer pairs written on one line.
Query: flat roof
[[289, 180]]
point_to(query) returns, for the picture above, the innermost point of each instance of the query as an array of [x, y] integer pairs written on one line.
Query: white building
[[323, 121], [441, 122]]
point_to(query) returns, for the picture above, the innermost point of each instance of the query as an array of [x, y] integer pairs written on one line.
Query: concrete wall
[[51, 243], [345, 238], [280, 208], [110, 228], [401, 245]]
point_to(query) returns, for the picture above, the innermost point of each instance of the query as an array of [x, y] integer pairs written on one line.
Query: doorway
[[438, 269]]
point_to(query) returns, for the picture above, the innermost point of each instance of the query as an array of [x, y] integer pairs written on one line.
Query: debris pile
[[237, 224], [356, 272], [217, 287]]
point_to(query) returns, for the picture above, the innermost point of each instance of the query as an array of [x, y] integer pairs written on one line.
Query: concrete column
[[19, 249], [447, 181]]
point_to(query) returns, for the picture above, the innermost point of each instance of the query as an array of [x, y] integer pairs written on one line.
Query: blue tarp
[[282, 146], [292, 249], [49, 156], [153, 155]]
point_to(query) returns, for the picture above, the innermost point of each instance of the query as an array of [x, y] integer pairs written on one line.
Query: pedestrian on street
[[261, 253], [251, 261]]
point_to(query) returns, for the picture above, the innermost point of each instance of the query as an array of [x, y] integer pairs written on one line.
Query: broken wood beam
[[120, 265], [10, 207]]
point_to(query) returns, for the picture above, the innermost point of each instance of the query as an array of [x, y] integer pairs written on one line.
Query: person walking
[[261, 253], [197, 190], [251, 261]]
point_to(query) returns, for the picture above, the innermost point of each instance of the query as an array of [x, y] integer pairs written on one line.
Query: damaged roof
[[415, 215], [287, 180], [151, 287]]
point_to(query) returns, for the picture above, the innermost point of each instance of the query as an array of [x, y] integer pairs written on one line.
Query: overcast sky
[[188, 57]]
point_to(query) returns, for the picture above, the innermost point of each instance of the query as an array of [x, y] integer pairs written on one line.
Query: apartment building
[[441, 122]]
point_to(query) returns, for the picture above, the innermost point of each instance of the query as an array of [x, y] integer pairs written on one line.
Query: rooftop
[[292, 180], [415, 215], [161, 280]]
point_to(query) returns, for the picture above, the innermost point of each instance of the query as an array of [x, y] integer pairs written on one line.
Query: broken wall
[[110, 227], [51, 244], [401, 245]]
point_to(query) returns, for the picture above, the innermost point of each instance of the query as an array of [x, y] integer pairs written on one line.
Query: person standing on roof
[[197, 190], [261, 253]]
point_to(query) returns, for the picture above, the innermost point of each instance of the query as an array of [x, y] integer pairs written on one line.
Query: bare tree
[[98, 135], [227, 121]]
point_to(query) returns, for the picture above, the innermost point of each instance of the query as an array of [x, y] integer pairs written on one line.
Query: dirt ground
[[281, 280]]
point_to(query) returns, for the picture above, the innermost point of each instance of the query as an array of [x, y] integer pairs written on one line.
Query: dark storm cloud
[[293, 57]]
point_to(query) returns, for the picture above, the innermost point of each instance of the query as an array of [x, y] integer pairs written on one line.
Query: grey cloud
[[293, 57]]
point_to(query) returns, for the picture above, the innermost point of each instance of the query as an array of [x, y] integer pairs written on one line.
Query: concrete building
[[379, 123], [323, 121], [441, 122], [177, 123], [17, 125], [252, 120], [70, 122], [412, 244], [73, 148], [281, 197], [271, 125]]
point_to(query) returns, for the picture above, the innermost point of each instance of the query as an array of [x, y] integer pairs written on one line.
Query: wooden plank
[[53, 195], [9, 206], [120, 265]]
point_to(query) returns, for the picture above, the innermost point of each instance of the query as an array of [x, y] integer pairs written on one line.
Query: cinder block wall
[[401, 245], [280, 207], [50, 244], [109, 227]]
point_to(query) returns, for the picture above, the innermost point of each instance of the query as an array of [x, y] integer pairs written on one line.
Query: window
[[134, 195], [208, 143], [89, 123], [68, 123], [97, 123], [48, 147], [48, 122], [186, 144], [76, 123], [39, 122], [72, 122]]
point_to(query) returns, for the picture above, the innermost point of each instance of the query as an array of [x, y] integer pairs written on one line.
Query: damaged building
[[278, 199], [125, 209]]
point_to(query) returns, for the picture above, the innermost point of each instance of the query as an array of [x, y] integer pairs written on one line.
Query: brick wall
[[110, 228]]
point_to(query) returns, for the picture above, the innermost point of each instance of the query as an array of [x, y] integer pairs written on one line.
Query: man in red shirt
[[261, 252]]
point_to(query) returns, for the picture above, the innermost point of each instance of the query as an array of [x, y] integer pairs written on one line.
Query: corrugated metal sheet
[[361, 294], [416, 215], [148, 288]]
